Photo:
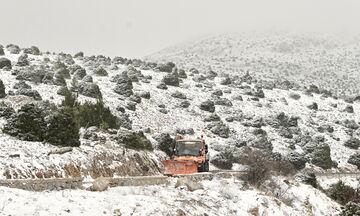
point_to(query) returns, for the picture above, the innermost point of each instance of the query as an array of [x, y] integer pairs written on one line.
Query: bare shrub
[[261, 167]]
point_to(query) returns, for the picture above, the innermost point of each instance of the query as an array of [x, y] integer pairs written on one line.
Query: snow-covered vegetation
[[245, 94]]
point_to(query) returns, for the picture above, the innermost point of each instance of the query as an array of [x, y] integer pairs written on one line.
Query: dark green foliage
[[89, 114], [321, 156], [223, 160], [165, 143], [308, 178], [351, 209], [62, 129], [343, 194], [2, 89], [134, 140], [353, 143], [27, 124]]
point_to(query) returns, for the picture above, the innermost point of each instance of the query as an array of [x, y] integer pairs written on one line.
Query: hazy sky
[[135, 28]]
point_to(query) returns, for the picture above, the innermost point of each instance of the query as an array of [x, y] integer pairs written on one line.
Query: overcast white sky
[[135, 28]]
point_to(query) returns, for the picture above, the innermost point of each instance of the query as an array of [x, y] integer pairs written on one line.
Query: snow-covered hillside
[[329, 62], [305, 127]]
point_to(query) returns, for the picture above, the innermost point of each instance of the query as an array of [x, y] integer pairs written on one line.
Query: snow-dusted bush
[[343, 193], [134, 140], [27, 124], [2, 89], [32, 50], [353, 143], [223, 160], [62, 129], [165, 143], [168, 67]]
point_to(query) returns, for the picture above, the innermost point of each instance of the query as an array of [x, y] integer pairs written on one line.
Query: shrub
[[260, 167], [62, 129], [27, 124], [89, 114], [134, 140], [343, 194], [223, 160], [353, 143], [350, 209], [165, 143]]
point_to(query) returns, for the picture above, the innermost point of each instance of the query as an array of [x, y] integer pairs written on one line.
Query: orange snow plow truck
[[189, 156]]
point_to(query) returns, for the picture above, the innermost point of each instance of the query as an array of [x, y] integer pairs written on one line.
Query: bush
[[134, 140], [353, 143], [260, 167], [27, 124], [62, 129], [89, 114], [223, 160], [343, 194], [165, 143], [350, 209]]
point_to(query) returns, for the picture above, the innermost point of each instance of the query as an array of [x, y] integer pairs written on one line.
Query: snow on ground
[[218, 197], [33, 155]]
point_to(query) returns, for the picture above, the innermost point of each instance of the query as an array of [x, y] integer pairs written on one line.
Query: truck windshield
[[188, 148]]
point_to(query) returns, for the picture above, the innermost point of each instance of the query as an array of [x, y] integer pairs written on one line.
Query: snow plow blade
[[179, 167]]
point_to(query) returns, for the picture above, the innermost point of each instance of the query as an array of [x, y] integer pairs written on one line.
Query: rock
[[21, 84], [89, 90], [145, 95], [23, 60], [171, 79], [87, 79], [297, 159], [2, 89], [29, 92], [208, 105], [349, 109], [212, 117], [162, 86], [184, 104], [32, 50], [124, 86], [223, 102], [355, 160], [190, 185], [179, 95], [100, 71], [353, 143], [313, 106], [13, 49], [220, 129], [4, 62], [130, 105], [226, 81]]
